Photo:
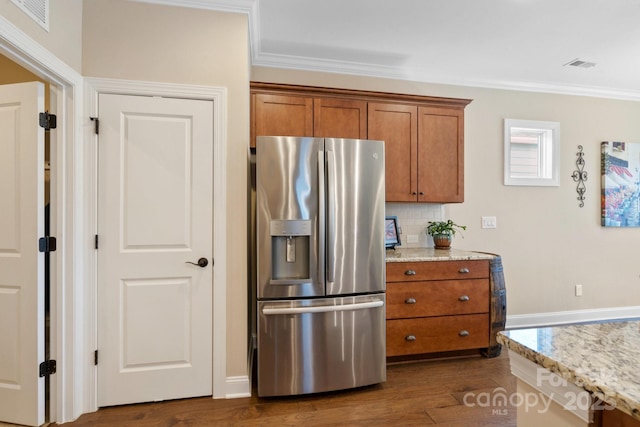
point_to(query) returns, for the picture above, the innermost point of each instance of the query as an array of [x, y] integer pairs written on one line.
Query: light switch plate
[[489, 222]]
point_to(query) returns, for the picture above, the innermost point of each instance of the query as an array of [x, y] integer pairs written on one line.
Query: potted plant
[[443, 232]]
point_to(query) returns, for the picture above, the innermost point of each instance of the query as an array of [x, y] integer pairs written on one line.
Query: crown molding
[[236, 6], [261, 59], [271, 60]]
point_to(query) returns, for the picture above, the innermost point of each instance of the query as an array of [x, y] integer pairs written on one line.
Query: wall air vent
[[580, 63], [38, 10]]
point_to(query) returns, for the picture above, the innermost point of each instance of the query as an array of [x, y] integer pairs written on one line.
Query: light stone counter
[[431, 254], [601, 358]]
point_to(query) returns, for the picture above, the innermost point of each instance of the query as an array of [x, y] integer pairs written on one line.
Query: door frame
[[67, 189], [218, 95]]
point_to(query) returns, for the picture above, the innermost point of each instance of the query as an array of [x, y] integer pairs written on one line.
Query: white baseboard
[[236, 387], [534, 320]]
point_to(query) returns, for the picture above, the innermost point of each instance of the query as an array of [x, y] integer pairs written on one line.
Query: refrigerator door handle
[[321, 309], [321, 217], [331, 214]]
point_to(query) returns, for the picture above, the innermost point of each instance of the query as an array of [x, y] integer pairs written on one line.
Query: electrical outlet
[[489, 222], [412, 238], [578, 290]]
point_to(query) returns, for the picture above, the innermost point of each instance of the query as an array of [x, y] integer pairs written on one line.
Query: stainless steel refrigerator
[[321, 264]]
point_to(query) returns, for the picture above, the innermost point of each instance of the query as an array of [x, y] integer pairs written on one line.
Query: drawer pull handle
[[463, 270], [410, 273], [410, 338], [463, 298], [410, 301], [463, 333]]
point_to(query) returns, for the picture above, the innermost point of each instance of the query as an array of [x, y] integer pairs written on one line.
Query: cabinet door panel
[[440, 155], [339, 118], [397, 126], [280, 115]]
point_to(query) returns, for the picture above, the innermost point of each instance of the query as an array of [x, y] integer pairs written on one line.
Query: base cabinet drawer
[[435, 334], [437, 298], [437, 270]]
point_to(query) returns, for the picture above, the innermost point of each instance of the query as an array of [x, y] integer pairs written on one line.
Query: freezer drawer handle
[[322, 309], [463, 333], [410, 301], [410, 338], [410, 273], [463, 270], [463, 298]]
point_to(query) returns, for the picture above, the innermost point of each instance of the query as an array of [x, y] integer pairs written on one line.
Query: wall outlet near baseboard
[[578, 290]]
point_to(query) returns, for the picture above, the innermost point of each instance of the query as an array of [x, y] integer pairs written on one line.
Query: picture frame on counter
[[391, 232]]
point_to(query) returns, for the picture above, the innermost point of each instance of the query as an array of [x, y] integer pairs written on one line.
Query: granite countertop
[[601, 358], [431, 254]]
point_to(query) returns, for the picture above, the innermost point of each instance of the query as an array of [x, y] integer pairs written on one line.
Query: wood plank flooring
[[451, 393]]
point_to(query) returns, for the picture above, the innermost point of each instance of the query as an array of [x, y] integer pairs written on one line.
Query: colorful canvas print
[[620, 164]]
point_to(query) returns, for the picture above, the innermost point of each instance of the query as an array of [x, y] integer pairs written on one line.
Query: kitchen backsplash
[[413, 219]]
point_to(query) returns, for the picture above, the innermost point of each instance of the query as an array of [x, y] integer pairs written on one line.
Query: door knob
[[202, 262]]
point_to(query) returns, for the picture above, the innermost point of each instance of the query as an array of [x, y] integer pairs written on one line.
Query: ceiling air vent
[[582, 64], [38, 10]]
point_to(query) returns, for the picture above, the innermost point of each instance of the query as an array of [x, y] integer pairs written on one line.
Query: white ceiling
[[513, 44]]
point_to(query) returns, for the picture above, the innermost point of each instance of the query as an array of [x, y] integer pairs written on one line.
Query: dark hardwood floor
[[452, 393]]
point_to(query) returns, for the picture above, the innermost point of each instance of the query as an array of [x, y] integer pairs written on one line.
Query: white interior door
[[21, 265], [155, 215]]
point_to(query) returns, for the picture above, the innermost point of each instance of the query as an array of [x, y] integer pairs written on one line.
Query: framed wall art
[[620, 164]]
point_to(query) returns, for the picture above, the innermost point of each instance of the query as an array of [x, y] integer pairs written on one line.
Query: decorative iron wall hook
[[580, 176]]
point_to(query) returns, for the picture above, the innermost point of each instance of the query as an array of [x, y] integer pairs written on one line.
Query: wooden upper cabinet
[[440, 155], [281, 115], [339, 118], [397, 126], [423, 135]]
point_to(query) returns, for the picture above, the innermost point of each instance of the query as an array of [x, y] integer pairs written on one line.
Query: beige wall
[[64, 38], [547, 242], [10, 72], [138, 41]]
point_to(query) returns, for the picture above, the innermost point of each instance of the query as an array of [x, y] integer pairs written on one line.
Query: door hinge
[[95, 357], [96, 124], [48, 367], [47, 121], [47, 244], [95, 243]]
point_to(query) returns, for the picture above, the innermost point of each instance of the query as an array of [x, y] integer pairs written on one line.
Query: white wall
[[548, 243]]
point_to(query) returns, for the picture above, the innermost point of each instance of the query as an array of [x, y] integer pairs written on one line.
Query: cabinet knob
[[463, 270], [463, 298], [463, 333], [410, 338], [422, 193], [414, 193], [410, 273], [410, 301]]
